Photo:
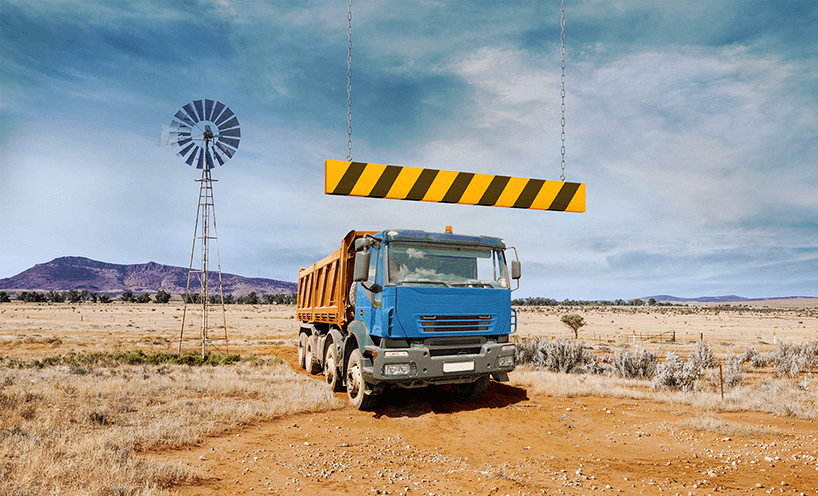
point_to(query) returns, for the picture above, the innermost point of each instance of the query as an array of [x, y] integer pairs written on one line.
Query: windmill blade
[[227, 150], [199, 109], [217, 111], [218, 155], [235, 132], [234, 122], [208, 160], [229, 141], [208, 110], [183, 143], [187, 149], [226, 115], [185, 132], [184, 118], [200, 160], [192, 157], [191, 113]]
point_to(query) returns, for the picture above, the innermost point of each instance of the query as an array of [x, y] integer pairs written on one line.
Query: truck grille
[[455, 323]]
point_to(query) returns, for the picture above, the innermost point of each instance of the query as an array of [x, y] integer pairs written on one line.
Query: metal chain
[[349, 80], [562, 92]]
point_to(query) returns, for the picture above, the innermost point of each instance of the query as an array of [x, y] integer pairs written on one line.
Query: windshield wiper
[[421, 281], [472, 284]]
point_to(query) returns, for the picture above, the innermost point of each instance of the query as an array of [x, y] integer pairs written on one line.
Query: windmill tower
[[204, 132]]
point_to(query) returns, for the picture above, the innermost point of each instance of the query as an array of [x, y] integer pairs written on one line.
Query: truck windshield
[[446, 265]]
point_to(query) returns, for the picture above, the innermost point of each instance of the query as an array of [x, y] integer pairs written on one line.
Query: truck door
[[368, 302]]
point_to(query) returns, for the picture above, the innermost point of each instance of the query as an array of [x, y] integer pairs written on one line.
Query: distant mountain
[[716, 299], [66, 273]]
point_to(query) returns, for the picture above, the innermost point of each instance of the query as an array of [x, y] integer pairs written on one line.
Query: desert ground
[[540, 433]]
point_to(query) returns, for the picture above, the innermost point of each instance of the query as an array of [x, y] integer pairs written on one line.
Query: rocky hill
[[66, 273]]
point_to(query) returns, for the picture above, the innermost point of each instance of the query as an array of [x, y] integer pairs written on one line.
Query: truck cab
[[423, 308]]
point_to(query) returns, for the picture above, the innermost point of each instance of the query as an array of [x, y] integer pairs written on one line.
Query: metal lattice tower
[[206, 212]]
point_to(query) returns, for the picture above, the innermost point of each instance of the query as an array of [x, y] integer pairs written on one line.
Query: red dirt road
[[421, 443]]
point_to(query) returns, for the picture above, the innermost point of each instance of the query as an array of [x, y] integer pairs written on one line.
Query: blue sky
[[694, 125]]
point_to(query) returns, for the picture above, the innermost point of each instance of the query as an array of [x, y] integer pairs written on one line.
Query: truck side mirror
[[362, 243], [515, 269], [361, 272]]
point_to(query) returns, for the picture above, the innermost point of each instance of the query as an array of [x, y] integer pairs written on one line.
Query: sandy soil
[[509, 442], [420, 442]]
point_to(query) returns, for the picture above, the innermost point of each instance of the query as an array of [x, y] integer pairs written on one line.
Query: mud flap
[[500, 376]]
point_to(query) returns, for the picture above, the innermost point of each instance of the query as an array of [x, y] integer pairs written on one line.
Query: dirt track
[[420, 442]]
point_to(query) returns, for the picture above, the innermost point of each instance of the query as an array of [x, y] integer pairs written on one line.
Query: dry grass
[[780, 396], [74, 430], [709, 423]]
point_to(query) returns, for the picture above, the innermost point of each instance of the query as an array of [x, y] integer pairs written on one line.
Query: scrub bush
[[790, 359], [702, 356], [639, 365], [735, 372], [556, 355], [675, 374]]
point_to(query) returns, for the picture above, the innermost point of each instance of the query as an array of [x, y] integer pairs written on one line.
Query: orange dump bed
[[323, 287]]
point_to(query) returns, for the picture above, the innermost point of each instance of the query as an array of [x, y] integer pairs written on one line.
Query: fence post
[[721, 382]]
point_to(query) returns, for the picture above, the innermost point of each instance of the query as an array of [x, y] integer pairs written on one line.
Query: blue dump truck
[[406, 309]]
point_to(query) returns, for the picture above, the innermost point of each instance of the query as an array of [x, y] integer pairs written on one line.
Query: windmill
[[205, 132]]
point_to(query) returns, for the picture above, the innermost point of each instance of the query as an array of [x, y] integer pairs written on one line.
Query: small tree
[[143, 298], [4, 297], [162, 296], [127, 296], [574, 321], [55, 296]]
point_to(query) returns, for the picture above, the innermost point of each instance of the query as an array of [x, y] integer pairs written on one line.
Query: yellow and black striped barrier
[[412, 183]]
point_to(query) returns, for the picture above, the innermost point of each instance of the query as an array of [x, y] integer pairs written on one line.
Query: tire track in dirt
[[423, 442]]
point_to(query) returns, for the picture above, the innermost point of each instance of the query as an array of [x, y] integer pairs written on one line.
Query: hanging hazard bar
[[412, 183]]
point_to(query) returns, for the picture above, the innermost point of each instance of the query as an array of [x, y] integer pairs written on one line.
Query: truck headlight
[[505, 361], [396, 369]]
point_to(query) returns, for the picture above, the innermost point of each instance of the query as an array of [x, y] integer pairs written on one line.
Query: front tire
[[356, 387], [331, 369]]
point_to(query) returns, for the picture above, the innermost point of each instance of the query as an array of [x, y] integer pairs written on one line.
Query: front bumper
[[426, 363]]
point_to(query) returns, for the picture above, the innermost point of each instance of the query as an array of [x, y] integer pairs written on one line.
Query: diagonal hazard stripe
[[415, 184]]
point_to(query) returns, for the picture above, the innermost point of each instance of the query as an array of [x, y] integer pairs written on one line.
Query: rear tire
[[331, 374], [311, 357], [472, 390], [302, 350], [356, 387]]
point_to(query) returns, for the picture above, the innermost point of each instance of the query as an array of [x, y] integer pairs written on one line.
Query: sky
[[694, 125]]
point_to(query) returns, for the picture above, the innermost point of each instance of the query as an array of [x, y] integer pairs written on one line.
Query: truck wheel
[[472, 390], [302, 350], [356, 388], [311, 357], [331, 369]]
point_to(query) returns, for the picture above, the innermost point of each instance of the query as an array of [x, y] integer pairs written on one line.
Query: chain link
[[349, 80], [562, 93]]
